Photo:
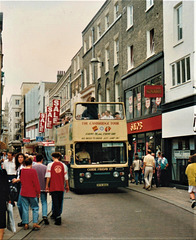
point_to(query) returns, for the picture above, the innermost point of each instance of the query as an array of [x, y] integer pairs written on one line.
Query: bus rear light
[[122, 173], [81, 180], [88, 175], [81, 174], [116, 174]]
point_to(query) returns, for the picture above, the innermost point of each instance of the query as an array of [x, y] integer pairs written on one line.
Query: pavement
[[172, 195]]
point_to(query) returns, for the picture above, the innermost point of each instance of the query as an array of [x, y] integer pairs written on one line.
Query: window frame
[[177, 71], [129, 17]]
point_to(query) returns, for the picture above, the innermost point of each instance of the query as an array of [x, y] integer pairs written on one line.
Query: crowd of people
[[33, 181], [150, 170], [153, 170]]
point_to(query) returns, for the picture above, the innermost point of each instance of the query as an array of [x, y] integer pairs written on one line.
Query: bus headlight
[[88, 175], [116, 174], [122, 179], [81, 180]]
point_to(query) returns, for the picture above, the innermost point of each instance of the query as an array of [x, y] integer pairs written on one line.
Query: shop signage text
[[145, 125], [153, 91]]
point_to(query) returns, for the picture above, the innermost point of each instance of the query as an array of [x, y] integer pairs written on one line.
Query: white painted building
[[180, 84], [14, 121]]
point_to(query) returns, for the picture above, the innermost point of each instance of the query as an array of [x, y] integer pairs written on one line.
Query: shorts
[[192, 189], [3, 219]]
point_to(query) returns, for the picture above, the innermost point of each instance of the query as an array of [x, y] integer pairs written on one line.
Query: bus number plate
[[102, 184]]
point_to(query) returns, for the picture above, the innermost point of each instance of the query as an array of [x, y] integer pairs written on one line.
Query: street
[[120, 214]]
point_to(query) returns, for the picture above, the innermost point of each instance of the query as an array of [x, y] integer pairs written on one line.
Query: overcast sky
[[41, 37]]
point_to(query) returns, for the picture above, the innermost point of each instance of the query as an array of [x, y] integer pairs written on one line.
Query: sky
[[40, 38]]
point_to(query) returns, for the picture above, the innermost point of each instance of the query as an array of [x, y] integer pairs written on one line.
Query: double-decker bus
[[95, 142]]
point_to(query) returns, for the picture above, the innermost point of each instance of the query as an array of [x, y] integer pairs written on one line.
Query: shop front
[[180, 140], [145, 134]]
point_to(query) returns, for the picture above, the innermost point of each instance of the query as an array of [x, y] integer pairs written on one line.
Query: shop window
[[129, 104], [137, 101], [150, 141], [137, 105]]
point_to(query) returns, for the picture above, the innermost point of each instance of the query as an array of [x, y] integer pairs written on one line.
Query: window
[[99, 65], [149, 4], [99, 94], [90, 41], [85, 78], [17, 114], [107, 24], [78, 62], [90, 74], [17, 102], [75, 65], [150, 42], [181, 72], [116, 51], [130, 59], [98, 31], [179, 22], [137, 105], [85, 47], [116, 11], [107, 91], [107, 58], [129, 16], [17, 125]]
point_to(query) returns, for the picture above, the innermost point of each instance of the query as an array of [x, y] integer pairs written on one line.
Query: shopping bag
[[10, 218], [14, 192]]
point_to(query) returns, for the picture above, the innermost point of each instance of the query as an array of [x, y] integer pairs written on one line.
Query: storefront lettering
[[136, 126]]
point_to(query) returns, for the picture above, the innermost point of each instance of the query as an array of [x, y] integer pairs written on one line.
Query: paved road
[[124, 214]]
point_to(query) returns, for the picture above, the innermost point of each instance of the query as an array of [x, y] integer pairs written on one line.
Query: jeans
[[136, 176], [43, 197], [33, 203], [19, 205]]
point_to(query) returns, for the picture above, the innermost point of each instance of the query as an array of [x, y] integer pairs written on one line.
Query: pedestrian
[[164, 167], [149, 169], [4, 198], [41, 172], [191, 174], [136, 165], [10, 167], [57, 176], [158, 168], [30, 190], [20, 164]]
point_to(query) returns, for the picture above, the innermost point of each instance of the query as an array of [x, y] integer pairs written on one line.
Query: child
[[191, 174]]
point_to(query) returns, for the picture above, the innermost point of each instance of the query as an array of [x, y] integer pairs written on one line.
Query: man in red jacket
[[30, 190], [57, 176]]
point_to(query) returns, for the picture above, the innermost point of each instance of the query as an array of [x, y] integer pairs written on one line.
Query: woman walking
[[30, 190], [19, 162], [4, 197]]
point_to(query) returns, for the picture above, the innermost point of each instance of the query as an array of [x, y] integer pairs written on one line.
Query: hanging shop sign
[[56, 111], [153, 91], [42, 122], [49, 117]]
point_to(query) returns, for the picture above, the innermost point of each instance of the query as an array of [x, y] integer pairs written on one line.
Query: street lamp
[[95, 60]]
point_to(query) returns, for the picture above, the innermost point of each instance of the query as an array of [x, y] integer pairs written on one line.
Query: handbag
[[14, 192], [10, 218]]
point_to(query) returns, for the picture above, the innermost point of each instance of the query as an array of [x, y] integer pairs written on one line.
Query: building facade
[[179, 109], [143, 65], [14, 122]]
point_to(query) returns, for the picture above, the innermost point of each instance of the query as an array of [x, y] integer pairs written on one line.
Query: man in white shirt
[[107, 115], [148, 169], [10, 166]]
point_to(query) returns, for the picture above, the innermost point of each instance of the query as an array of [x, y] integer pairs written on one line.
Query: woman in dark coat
[[4, 197]]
